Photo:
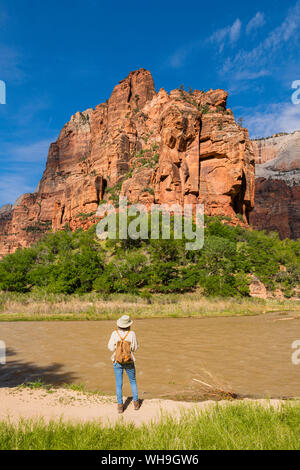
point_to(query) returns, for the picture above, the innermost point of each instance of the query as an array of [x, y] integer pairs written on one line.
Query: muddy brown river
[[249, 355]]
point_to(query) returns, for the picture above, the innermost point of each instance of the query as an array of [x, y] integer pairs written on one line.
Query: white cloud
[[256, 62], [32, 152], [277, 117], [262, 56], [178, 58], [256, 22], [251, 75], [235, 30], [229, 33], [21, 168], [30, 109], [12, 186]]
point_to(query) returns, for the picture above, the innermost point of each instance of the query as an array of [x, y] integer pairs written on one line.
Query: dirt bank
[[69, 405]]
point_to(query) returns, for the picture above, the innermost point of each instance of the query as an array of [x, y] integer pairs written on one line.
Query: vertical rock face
[[152, 147], [277, 195]]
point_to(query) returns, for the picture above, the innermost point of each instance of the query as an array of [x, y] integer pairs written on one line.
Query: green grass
[[237, 426], [37, 384], [76, 387]]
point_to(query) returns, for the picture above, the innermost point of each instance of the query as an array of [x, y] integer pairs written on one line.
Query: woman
[[123, 343]]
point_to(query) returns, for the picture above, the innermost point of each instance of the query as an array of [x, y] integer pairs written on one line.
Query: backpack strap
[[123, 339]]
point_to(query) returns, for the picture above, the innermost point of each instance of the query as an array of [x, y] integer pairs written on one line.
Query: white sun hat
[[124, 322]]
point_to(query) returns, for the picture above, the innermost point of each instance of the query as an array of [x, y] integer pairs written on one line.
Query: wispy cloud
[[12, 186], [241, 68], [21, 168], [277, 117], [245, 80], [256, 22], [262, 56], [30, 153], [31, 109], [230, 33], [178, 58], [251, 75]]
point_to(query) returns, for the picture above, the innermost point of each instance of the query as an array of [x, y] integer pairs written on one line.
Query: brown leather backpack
[[123, 350]]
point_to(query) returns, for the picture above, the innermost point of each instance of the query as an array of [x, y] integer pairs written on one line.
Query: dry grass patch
[[16, 307]]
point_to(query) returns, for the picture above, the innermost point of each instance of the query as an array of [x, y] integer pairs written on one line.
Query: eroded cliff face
[[277, 195], [152, 147]]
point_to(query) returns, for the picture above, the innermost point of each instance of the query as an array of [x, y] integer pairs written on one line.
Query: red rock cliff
[[277, 194], [152, 147]]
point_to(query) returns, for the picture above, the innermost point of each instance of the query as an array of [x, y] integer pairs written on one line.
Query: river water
[[249, 355]]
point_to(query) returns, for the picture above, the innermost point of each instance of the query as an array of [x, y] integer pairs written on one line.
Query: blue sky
[[59, 57]]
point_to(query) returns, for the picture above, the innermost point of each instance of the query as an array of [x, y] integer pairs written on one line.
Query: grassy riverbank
[[36, 307], [235, 426]]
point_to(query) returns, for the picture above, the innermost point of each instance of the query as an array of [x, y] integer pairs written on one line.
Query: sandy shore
[[18, 403]]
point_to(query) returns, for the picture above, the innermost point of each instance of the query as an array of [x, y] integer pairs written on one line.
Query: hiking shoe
[[136, 405], [120, 409]]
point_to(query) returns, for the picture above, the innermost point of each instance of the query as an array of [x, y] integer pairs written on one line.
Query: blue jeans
[[130, 369]]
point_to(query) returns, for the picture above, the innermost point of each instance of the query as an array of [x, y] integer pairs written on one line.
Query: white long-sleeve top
[[112, 344]]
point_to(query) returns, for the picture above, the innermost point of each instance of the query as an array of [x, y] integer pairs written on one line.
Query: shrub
[[66, 262]]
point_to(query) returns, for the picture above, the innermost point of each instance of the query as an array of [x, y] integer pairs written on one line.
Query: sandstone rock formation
[[277, 194], [181, 147], [257, 288]]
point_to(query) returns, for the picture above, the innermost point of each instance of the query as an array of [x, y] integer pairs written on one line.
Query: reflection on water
[[250, 355]]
